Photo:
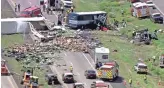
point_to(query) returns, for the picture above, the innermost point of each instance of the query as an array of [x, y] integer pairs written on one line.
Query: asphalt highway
[[80, 63], [160, 5], [8, 82]]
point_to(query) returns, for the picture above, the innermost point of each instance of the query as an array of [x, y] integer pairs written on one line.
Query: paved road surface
[[8, 82], [80, 63], [6, 10], [160, 5]]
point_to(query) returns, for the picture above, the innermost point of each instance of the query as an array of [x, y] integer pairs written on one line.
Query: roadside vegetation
[[128, 54], [16, 67]]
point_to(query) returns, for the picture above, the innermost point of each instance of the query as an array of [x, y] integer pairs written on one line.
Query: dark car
[[90, 74], [51, 78], [156, 18]]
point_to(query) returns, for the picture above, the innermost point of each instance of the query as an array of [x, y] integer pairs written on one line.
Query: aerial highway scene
[[82, 44]]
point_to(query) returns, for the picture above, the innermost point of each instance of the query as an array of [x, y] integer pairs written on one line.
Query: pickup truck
[[156, 18], [140, 68]]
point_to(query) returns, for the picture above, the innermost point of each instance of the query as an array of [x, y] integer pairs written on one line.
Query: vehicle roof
[[90, 70], [142, 64], [101, 85], [79, 84], [68, 73], [50, 74], [111, 63], [106, 66], [88, 13], [68, 2], [27, 73], [102, 50], [139, 4], [31, 8], [156, 14]]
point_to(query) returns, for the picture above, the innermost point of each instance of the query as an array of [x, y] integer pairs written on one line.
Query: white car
[[68, 3], [140, 68], [150, 3]]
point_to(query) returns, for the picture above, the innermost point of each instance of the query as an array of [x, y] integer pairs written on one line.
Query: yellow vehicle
[[26, 77], [109, 71], [33, 82]]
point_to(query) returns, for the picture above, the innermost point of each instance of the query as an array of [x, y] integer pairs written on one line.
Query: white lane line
[[78, 73], [71, 63], [12, 2], [53, 68], [16, 86], [85, 84], [159, 9], [88, 61], [29, 3], [65, 54]]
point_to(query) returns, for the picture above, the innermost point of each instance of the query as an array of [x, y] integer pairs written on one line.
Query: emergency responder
[[15, 7], [71, 69], [19, 7], [130, 82], [122, 12], [145, 79], [51, 10], [72, 9]]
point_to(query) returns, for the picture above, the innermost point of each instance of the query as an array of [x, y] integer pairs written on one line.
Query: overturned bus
[[86, 19]]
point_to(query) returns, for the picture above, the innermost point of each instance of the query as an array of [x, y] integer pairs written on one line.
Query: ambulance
[[140, 9], [109, 71]]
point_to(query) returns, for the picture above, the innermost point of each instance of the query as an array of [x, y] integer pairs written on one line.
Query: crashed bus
[[86, 19]]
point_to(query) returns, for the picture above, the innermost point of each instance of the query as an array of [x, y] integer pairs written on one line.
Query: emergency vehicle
[[101, 55], [33, 11], [99, 84], [4, 70], [109, 71], [140, 9]]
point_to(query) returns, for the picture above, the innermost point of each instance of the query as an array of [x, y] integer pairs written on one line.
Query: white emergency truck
[[140, 9], [101, 55]]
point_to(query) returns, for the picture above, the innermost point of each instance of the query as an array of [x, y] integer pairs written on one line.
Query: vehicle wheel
[[21, 82]]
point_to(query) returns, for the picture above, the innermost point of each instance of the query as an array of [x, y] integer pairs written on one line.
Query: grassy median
[[10, 40], [128, 53]]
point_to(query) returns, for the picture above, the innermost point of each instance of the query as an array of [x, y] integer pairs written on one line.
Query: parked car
[[90, 74], [140, 68], [51, 78], [68, 77], [156, 18]]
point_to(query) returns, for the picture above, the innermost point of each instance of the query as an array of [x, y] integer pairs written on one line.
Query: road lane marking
[[65, 54], [78, 73], [88, 61], [158, 9], [58, 73], [71, 63], [85, 84], [29, 3], [10, 81], [12, 2]]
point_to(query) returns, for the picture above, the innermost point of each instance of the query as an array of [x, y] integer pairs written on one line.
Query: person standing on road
[[15, 7], [44, 8], [19, 7]]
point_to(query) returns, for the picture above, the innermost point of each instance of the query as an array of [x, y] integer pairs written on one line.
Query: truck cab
[[101, 56]]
